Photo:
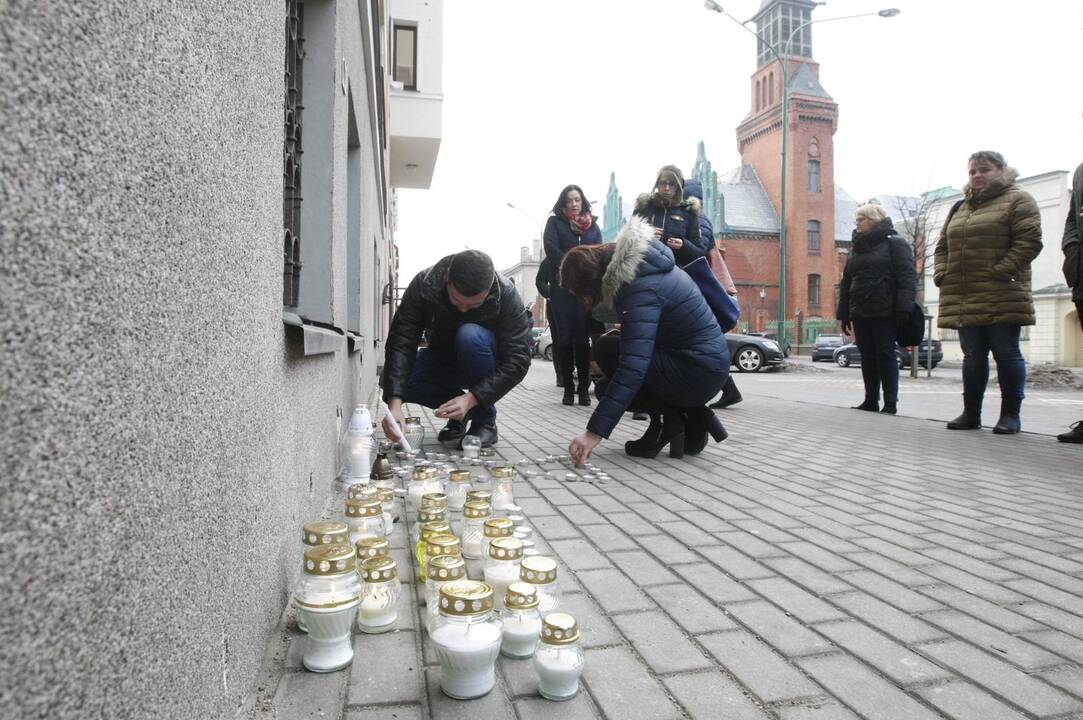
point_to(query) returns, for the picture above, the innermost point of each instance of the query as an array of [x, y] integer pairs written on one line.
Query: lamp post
[[715, 7], [525, 214]]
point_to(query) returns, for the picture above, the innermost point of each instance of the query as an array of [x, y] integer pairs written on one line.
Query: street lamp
[[541, 230], [715, 7]]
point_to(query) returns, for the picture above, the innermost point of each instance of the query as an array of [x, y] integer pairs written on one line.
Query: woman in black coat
[[875, 296], [675, 220], [672, 357], [569, 226]]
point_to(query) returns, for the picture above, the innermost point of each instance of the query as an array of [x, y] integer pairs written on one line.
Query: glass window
[[814, 237], [814, 290], [814, 176], [405, 61]]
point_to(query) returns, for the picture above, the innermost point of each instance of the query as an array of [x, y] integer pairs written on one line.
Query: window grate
[[291, 153]]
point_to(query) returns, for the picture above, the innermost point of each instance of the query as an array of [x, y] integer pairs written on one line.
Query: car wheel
[[843, 360], [748, 359], [548, 353]]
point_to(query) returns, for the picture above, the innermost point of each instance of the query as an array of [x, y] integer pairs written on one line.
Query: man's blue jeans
[[1003, 340], [437, 377]]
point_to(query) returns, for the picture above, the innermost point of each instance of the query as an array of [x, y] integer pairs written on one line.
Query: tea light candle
[[475, 513], [503, 486], [559, 658], [466, 639], [379, 595], [522, 623]]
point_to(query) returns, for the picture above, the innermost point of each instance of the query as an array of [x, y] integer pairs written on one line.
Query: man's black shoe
[[452, 433], [486, 431], [1075, 435], [726, 400]]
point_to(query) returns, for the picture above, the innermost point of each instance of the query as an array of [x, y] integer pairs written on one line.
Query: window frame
[[815, 236], [814, 163], [412, 29], [814, 281]]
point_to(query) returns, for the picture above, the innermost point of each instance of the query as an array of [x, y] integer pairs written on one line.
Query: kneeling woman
[[672, 356]]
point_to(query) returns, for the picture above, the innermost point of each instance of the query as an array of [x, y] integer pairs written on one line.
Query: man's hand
[[583, 446], [395, 406], [657, 233], [675, 243], [846, 328], [457, 407]]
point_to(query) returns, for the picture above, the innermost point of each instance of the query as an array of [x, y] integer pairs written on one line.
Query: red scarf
[[580, 223]]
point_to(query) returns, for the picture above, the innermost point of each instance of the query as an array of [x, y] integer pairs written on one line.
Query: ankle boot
[[971, 417], [890, 408], [649, 437], [867, 406], [672, 434], [584, 391], [1008, 423], [698, 424]]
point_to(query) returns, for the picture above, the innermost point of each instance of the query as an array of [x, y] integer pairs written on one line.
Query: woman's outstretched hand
[[582, 446]]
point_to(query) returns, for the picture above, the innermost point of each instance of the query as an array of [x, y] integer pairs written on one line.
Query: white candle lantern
[[541, 571], [372, 547], [427, 531], [390, 509], [457, 488], [359, 446], [495, 527], [466, 639], [521, 621], [380, 590], [437, 545], [475, 513], [424, 480], [505, 554], [442, 569], [559, 658], [362, 492], [365, 518], [503, 478], [327, 599], [321, 532], [426, 515], [481, 494], [414, 432]]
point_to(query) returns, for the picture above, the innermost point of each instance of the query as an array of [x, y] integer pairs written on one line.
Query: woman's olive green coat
[[983, 257]]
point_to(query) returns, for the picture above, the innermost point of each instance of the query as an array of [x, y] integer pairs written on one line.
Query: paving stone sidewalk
[[820, 564]]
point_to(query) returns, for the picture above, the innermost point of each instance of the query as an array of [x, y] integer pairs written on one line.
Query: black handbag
[[913, 332]]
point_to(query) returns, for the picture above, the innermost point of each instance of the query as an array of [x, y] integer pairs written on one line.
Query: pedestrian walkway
[[820, 564]]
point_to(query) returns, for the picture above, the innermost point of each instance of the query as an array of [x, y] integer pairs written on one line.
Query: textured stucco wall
[[163, 436]]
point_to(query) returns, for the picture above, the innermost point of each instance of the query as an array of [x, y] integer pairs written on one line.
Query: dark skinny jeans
[[879, 363], [1003, 341]]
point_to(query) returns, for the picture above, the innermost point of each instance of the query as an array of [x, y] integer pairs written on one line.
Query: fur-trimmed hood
[[995, 186], [650, 200], [635, 254]]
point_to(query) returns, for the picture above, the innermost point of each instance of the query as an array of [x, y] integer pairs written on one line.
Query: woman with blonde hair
[[875, 296]]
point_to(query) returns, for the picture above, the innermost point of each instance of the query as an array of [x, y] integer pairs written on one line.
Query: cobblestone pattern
[[819, 564]]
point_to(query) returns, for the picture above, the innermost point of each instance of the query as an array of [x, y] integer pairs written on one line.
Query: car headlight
[[772, 345]]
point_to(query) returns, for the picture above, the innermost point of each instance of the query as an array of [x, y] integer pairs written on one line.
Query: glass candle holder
[[471, 447], [541, 572], [327, 598], [427, 531], [482, 494], [414, 432], [475, 513], [321, 532], [360, 446], [505, 554], [441, 569], [495, 527], [423, 480], [372, 547], [466, 639], [559, 658], [503, 478], [434, 500], [362, 492], [365, 518], [437, 545], [380, 590], [521, 621], [389, 507], [426, 515], [457, 488]]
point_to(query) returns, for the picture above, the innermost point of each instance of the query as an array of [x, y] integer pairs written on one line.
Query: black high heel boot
[[698, 424], [648, 439], [672, 434]]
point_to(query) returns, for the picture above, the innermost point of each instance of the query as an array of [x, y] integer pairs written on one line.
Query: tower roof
[[767, 4], [748, 209], [804, 82]]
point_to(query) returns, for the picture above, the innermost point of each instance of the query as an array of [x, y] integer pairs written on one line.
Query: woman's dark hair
[[558, 207], [582, 270], [471, 272], [989, 156]]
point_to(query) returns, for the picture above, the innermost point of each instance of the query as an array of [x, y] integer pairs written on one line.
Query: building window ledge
[[316, 339]]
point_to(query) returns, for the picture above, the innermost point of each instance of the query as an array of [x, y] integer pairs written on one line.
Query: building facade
[[196, 216]]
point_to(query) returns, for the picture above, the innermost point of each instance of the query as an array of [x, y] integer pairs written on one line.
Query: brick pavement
[[821, 563]]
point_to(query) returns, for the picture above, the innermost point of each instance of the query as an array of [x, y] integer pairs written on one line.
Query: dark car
[[848, 355], [749, 353], [825, 345], [786, 347]]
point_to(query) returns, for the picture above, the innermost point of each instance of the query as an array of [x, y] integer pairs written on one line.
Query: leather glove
[[902, 318]]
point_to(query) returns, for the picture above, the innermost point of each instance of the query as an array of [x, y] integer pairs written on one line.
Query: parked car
[[751, 353], [848, 355], [543, 346], [535, 333], [823, 348], [786, 347]]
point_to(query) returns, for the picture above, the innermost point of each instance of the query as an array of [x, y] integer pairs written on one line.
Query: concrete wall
[[164, 436]]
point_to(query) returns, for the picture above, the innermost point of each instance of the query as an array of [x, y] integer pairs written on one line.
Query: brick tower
[[812, 271]]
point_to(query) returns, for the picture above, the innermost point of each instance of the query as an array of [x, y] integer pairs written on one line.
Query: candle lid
[[483, 495], [436, 499], [538, 569], [442, 544], [459, 476], [426, 472], [431, 514], [361, 492], [433, 528], [413, 420], [463, 598], [487, 452], [498, 527], [521, 596], [372, 547], [359, 507], [559, 629], [329, 560], [476, 509], [378, 569], [325, 532], [506, 548], [381, 468], [502, 471], [443, 568], [387, 496]]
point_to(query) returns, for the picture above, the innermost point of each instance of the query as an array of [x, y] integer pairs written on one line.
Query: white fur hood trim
[[631, 247]]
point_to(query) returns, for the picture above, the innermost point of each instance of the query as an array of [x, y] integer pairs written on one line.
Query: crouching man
[[478, 349]]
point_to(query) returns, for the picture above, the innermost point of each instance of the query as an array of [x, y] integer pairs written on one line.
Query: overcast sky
[[545, 93]]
